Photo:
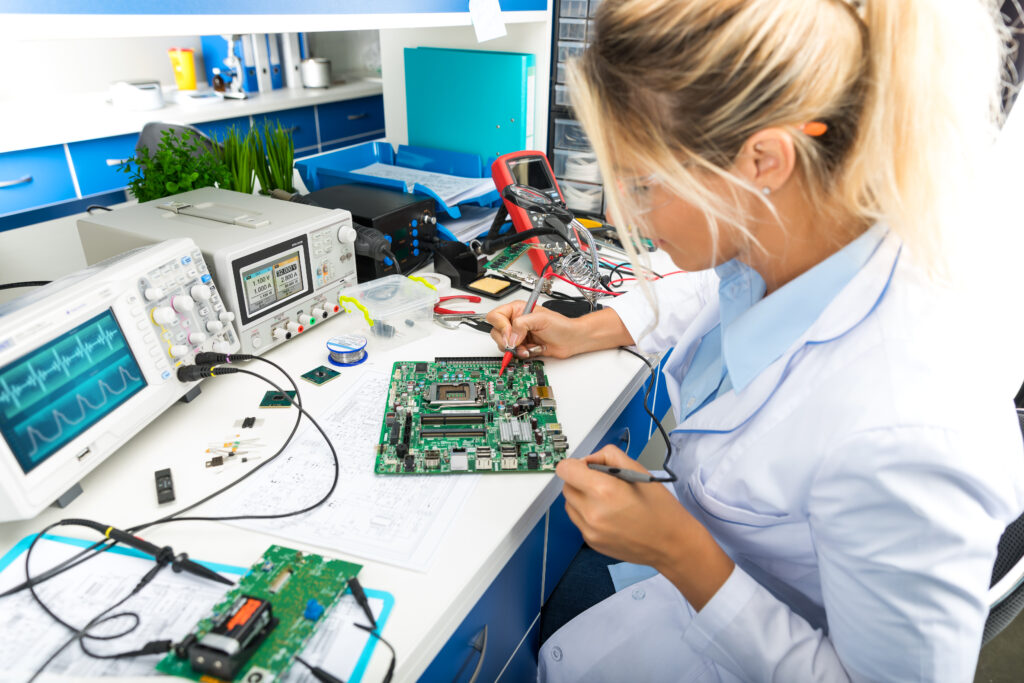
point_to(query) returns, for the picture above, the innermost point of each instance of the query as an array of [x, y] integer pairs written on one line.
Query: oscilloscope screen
[[56, 392]]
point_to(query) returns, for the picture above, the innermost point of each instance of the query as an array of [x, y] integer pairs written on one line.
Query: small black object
[[532, 461], [164, 486], [410, 463], [538, 436], [248, 423], [421, 368], [571, 309], [246, 624], [410, 323], [401, 450]]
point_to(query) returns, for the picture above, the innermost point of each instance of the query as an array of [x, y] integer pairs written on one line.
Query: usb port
[[83, 454]]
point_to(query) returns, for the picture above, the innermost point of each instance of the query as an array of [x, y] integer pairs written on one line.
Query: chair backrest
[[153, 131], [1006, 590]]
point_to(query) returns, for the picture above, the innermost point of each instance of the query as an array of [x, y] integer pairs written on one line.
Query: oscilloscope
[[279, 266], [88, 360]]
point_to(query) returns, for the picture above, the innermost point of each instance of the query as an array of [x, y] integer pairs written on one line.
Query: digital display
[[273, 280], [51, 395], [531, 171]]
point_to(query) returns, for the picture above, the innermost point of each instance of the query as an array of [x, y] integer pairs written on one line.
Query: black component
[[394, 213], [164, 486], [532, 461], [541, 381], [407, 433], [533, 423], [389, 419], [538, 436], [468, 359], [401, 450], [396, 432], [181, 649], [421, 368], [457, 261], [571, 308], [247, 622], [248, 422], [452, 419], [410, 463]]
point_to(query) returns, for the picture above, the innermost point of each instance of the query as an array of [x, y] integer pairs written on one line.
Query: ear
[[767, 159]]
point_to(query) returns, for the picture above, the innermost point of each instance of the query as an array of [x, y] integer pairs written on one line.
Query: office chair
[[1006, 591]]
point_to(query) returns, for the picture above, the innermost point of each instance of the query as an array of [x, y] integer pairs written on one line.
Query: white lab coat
[[860, 483]]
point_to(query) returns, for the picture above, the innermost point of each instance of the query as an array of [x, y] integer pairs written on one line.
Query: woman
[[844, 467]]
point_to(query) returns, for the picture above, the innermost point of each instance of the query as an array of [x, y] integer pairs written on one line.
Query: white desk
[[591, 392]]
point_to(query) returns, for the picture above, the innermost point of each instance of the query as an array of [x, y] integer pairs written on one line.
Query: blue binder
[[471, 101]]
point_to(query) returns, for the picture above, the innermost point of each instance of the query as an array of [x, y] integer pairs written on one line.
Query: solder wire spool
[[346, 350]]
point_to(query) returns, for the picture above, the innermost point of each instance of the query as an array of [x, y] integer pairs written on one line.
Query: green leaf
[[172, 187]]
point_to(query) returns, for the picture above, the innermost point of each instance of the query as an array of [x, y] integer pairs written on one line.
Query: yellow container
[[183, 61]]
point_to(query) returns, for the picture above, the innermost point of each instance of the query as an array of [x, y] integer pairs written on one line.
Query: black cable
[[89, 208], [394, 658], [668, 443], [33, 283], [318, 673]]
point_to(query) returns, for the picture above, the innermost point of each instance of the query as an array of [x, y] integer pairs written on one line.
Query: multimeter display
[[532, 171]]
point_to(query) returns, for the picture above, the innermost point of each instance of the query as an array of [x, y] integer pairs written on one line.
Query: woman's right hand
[[543, 331]]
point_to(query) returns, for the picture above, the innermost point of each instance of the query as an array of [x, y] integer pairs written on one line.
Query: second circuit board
[[456, 415]]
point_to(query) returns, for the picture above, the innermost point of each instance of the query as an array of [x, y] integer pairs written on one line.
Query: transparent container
[[582, 196], [572, 29], [569, 135], [568, 50], [594, 4], [580, 166], [402, 310], [562, 95], [573, 8], [560, 73]]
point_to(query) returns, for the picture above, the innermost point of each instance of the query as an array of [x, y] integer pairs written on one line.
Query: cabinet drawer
[[218, 130], [97, 162], [564, 541], [302, 123], [340, 120], [34, 177], [506, 609]]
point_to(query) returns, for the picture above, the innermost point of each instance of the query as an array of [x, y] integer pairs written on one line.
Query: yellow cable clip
[[107, 532], [422, 281], [355, 302]]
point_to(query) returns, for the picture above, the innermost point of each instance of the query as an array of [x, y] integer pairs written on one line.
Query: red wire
[[589, 289]]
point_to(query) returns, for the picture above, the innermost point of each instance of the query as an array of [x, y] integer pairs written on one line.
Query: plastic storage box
[[594, 4], [572, 29], [573, 8], [580, 166], [567, 50], [562, 95], [583, 197], [401, 310], [569, 135]]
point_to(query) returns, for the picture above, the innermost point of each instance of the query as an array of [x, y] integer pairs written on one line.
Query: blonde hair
[[909, 90]]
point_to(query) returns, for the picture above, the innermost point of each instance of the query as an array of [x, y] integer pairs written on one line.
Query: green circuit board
[[507, 256], [456, 416], [287, 579]]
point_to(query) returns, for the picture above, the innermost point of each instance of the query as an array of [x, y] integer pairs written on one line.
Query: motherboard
[[456, 415]]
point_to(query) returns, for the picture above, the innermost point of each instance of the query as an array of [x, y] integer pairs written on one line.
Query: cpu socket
[[452, 394]]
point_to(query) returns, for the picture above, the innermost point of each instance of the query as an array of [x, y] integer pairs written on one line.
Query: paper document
[[168, 609], [452, 189], [395, 519], [475, 221]]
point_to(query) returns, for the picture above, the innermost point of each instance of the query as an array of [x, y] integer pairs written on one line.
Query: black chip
[[532, 461], [421, 368], [410, 463]]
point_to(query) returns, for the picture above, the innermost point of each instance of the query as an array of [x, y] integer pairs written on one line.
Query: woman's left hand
[[642, 523]]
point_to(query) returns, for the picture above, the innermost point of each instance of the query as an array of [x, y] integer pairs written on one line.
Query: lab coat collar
[[852, 305]]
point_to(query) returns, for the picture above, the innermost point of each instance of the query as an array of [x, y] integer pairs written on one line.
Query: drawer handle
[[292, 130], [356, 117], [480, 645], [117, 162], [19, 181], [624, 440]]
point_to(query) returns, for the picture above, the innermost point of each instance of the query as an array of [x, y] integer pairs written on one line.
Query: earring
[[766, 191]]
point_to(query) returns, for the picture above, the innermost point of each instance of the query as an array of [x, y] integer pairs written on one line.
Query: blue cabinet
[[488, 636], [345, 122], [34, 177], [97, 162], [218, 130]]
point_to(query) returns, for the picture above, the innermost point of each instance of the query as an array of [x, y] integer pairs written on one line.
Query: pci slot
[[453, 419], [453, 433]]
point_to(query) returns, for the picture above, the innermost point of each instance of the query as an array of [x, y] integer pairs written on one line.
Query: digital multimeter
[[533, 169]]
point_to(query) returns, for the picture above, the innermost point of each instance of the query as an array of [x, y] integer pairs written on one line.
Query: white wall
[[533, 38]]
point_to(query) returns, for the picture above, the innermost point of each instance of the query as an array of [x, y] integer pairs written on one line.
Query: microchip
[[320, 375], [532, 461], [421, 368], [277, 399]]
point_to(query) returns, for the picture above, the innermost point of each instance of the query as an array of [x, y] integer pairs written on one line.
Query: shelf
[[38, 123]]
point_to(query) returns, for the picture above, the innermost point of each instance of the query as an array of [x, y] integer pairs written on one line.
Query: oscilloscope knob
[[214, 326], [200, 293], [196, 338], [346, 234], [226, 316], [179, 350], [153, 293], [163, 315], [182, 304]]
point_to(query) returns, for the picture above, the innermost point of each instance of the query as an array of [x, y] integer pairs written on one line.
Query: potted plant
[[179, 164], [239, 156], [275, 155]]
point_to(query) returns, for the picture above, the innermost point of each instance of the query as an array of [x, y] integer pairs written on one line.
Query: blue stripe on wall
[[254, 7]]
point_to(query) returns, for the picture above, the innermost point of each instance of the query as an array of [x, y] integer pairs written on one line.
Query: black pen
[[632, 476]]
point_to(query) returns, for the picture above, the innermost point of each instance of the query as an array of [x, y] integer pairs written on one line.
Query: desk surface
[[591, 391]]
